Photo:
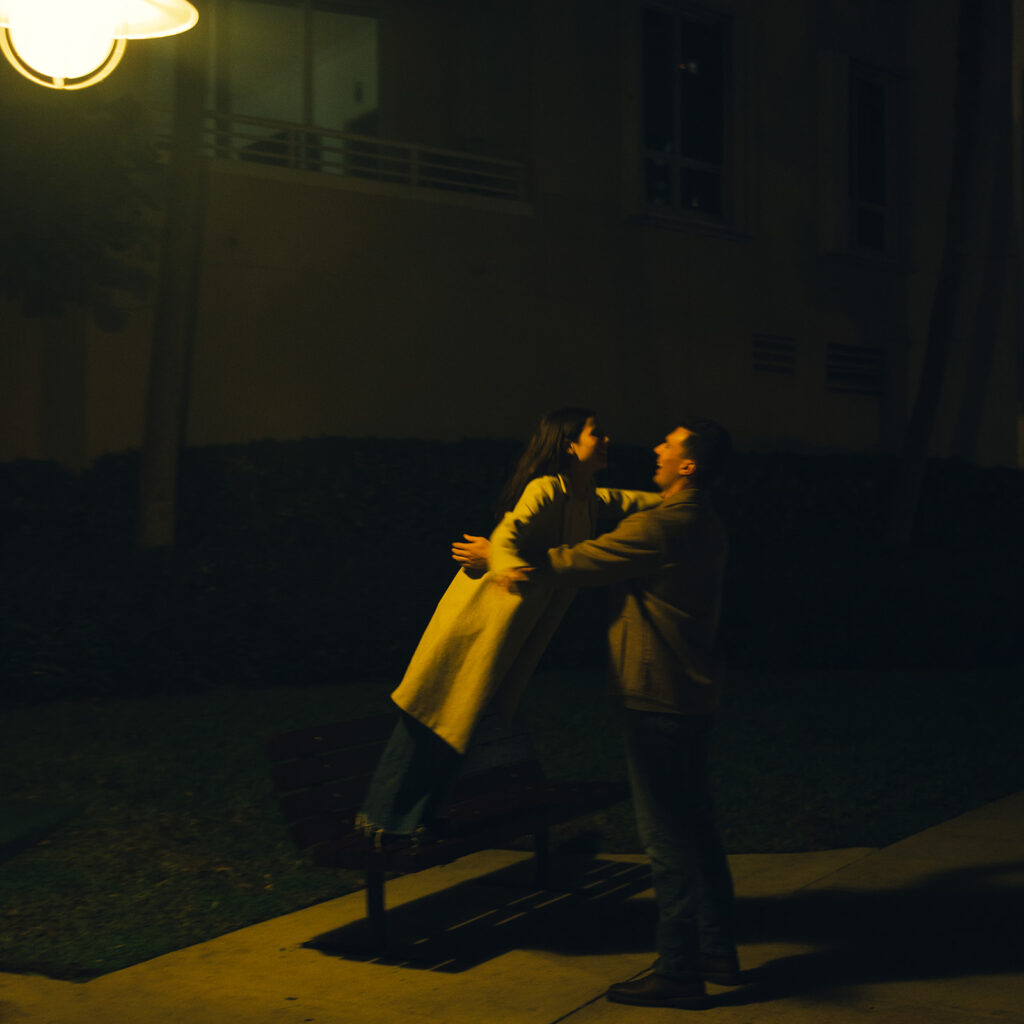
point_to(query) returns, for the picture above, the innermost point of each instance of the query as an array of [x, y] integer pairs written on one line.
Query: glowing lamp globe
[[71, 44]]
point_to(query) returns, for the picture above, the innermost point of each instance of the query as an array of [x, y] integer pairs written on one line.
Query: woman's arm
[[614, 504], [523, 527], [534, 525]]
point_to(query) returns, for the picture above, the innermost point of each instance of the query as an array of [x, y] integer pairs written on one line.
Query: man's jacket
[[665, 566]]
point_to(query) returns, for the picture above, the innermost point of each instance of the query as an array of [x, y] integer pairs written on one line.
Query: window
[[860, 110], [867, 174], [685, 101], [304, 62]]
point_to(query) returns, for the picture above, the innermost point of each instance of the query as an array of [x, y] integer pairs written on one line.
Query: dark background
[[320, 561]]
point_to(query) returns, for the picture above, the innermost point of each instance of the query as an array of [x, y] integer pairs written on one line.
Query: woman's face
[[591, 447]]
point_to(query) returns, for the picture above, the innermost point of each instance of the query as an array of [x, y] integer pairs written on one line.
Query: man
[[666, 566]]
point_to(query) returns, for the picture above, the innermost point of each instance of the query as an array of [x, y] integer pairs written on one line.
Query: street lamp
[[70, 44]]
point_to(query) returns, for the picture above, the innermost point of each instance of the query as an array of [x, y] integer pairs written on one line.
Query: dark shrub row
[[320, 561]]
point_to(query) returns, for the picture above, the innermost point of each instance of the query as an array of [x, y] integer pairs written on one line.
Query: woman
[[483, 642]]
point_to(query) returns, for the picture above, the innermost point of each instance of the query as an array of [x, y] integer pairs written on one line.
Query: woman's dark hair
[[546, 453]]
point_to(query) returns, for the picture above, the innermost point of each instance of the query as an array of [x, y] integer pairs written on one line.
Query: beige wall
[[333, 307], [68, 391], [931, 89]]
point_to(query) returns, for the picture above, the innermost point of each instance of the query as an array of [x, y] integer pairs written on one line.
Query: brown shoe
[[658, 990], [721, 970]]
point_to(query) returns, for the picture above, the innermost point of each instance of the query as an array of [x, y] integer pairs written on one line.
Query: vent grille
[[854, 369], [772, 354]]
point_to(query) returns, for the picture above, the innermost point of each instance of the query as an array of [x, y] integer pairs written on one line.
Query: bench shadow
[[588, 911], [956, 923]]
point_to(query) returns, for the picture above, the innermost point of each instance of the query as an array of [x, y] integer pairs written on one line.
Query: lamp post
[[72, 44]]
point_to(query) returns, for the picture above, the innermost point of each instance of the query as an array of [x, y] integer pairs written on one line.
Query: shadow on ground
[[589, 911], [23, 823], [957, 923], [952, 924]]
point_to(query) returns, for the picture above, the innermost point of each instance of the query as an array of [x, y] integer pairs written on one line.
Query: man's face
[[674, 465]]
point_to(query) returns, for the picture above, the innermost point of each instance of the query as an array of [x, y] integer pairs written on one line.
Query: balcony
[[251, 140]]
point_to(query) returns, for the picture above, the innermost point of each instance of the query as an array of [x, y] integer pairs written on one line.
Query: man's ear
[[687, 467]]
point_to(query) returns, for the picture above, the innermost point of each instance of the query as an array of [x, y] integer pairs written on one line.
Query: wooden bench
[[321, 775]]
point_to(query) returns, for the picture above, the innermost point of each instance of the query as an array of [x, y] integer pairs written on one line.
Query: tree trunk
[[970, 37], [1017, 197], [993, 226], [175, 314]]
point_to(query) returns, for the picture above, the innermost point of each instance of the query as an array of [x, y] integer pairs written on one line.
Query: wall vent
[[772, 354], [854, 369]]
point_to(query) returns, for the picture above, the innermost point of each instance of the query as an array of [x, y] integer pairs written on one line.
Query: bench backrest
[[322, 773]]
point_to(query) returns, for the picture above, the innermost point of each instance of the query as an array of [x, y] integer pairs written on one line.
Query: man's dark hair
[[709, 445]]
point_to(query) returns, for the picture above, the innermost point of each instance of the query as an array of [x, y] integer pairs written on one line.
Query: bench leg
[[540, 857], [375, 906]]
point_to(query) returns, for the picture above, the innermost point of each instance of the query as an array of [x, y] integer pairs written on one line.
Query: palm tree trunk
[[993, 229], [970, 37], [175, 314]]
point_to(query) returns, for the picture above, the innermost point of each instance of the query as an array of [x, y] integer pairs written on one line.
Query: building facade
[[438, 218]]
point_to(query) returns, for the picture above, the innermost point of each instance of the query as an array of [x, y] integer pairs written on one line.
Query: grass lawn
[[134, 827]]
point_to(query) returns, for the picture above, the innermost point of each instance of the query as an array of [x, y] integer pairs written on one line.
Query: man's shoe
[[658, 990], [721, 970]]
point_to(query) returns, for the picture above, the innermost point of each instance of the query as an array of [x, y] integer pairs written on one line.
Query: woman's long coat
[[483, 643]]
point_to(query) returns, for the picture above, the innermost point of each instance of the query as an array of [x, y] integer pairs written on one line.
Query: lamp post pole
[[177, 293]]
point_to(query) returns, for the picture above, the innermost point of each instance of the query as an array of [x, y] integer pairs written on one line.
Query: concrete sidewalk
[[926, 931]]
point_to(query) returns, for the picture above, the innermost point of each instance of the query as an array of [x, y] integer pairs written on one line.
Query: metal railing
[[280, 144]]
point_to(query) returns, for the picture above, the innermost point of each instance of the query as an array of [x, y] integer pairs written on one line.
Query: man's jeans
[[668, 767]]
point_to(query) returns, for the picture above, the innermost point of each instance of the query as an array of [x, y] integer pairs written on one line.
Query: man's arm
[[636, 547]]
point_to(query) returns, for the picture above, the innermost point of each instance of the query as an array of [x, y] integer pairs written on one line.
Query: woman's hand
[[473, 553]]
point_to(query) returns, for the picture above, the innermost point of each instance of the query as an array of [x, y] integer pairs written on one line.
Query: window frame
[[734, 221], [221, 51], [838, 73]]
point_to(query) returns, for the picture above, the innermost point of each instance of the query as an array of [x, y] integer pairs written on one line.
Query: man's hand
[[514, 580], [472, 553]]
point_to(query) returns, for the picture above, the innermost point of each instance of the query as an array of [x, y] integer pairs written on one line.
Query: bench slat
[[324, 828], [334, 736], [506, 776], [322, 773], [331, 766], [337, 798]]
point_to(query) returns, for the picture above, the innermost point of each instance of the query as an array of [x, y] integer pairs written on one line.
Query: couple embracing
[[663, 552]]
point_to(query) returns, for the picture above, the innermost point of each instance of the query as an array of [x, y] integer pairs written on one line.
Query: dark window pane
[[658, 182], [344, 73], [658, 80], [266, 71], [701, 191], [869, 229], [701, 74], [868, 142]]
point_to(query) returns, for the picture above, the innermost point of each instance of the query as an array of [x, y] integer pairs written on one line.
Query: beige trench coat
[[482, 643]]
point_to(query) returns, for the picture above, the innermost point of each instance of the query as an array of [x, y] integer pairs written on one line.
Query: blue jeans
[[668, 770], [411, 779], [417, 770]]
